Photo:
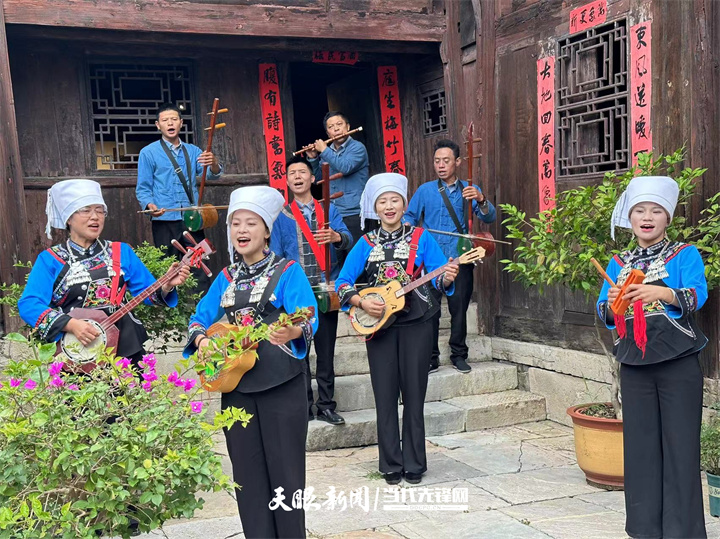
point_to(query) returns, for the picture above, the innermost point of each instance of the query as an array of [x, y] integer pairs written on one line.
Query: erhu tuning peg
[[218, 112], [217, 126]]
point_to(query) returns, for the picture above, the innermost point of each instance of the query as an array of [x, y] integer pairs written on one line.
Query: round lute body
[[228, 377], [366, 324], [84, 358]]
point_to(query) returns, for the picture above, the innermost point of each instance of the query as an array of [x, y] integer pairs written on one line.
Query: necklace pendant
[[402, 250], [377, 254], [77, 274]]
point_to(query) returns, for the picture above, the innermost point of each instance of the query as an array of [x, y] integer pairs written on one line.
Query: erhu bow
[[205, 215]]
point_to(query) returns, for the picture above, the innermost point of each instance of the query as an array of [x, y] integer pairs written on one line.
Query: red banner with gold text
[[390, 118], [273, 126], [546, 131]]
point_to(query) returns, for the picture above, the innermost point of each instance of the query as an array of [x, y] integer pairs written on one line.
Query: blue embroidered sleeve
[[207, 312], [35, 304], [139, 278], [692, 292], [603, 309], [294, 291], [351, 270], [430, 254]]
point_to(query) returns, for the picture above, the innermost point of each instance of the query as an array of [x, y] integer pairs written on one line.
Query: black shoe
[[392, 478], [413, 478], [433, 368], [331, 417], [462, 366], [311, 416]]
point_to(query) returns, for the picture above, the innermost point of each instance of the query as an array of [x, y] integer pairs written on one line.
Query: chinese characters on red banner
[[546, 131], [390, 118], [336, 57], [640, 89], [273, 126], [588, 16]]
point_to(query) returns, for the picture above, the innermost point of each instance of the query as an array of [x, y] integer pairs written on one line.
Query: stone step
[[346, 330], [459, 414], [355, 392], [351, 354]]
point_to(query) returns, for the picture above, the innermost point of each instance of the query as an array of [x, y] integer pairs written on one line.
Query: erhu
[[480, 239], [327, 299], [310, 147], [205, 215]]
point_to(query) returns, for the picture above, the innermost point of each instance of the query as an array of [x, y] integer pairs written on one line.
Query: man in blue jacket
[[441, 204], [299, 234], [349, 157], [167, 178]]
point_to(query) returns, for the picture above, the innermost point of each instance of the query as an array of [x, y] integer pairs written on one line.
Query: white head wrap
[[660, 190], [387, 182], [68, 196], [261, 199]]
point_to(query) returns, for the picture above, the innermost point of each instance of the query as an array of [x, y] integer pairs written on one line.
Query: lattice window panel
[[125, 99], [434, 112], [593, 101]]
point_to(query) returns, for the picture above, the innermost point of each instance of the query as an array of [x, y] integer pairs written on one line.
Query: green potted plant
[[556, 247], [109, 453], [710, 460]]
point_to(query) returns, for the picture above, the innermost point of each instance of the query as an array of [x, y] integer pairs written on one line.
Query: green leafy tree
[[555, 247]]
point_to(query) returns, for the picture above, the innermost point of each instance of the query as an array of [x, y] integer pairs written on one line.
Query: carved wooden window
[[125, 98], [593, 116], [434, 112]]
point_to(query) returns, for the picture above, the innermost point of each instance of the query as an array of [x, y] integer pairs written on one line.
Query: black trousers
[[324, 369], [399, 358], [457, 305], [267, 455], [164, 232], [662, 411]]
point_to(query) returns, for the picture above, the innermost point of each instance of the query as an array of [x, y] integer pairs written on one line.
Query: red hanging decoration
[[640, 327]]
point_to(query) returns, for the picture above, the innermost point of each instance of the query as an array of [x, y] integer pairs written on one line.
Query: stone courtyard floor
[[522, 482]]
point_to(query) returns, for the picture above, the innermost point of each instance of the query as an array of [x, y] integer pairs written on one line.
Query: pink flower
[[147, 386], [73, 387], [189, 384], [55, 368], [149, 361], [179, 382], [150, 376], [14, 382], [30, 384], [391, 273], [103, 292], [56, 381], [196, 407], [247, 320], [172, 377], [1, 385], [126, 374], [132, 384], [123, 363]]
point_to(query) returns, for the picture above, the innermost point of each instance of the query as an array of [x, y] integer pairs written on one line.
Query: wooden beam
[[318, 20], [14, 245], [488, 282]]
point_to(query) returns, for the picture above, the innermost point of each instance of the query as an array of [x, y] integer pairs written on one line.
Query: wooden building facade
[[62, 61]]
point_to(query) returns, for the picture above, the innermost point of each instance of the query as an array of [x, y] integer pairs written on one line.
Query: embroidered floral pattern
[[46, 320], [391, 271], [688, 299], [98, 293]]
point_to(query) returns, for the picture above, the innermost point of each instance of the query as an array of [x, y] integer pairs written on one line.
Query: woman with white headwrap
[[81, 272], [400, 354], [661, 379], [269, 454]]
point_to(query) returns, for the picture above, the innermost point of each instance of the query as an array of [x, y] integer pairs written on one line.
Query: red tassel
[[620, 325], [640, 327]]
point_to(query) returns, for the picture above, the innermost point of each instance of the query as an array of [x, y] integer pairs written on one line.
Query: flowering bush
[[104, 453]]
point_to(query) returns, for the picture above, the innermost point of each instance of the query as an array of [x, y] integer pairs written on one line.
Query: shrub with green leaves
[[555, 247], [85, 454], [710, 446]]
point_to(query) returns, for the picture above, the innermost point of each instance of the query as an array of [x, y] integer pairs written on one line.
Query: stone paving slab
[[483, 437], [509, 458], [536, 485]]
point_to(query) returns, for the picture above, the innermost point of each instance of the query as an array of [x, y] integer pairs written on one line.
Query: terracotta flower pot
[[598, 448]]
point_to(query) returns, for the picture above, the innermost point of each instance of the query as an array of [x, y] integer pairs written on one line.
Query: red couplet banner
[[546, 131], [391, 121], [640, 89], [273, 127], [588, 16]]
